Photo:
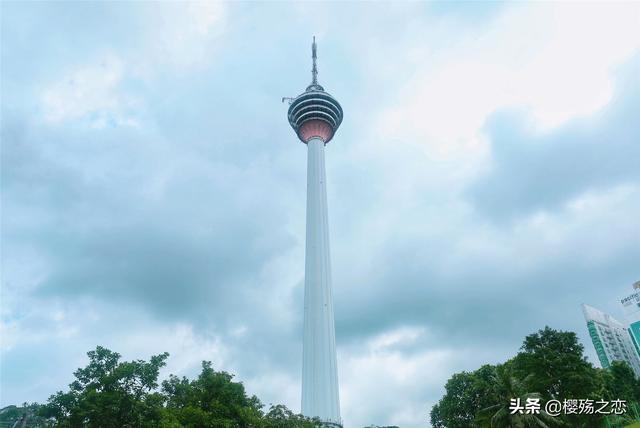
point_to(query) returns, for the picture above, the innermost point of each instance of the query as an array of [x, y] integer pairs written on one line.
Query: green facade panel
[[634, 332], [597, 343]]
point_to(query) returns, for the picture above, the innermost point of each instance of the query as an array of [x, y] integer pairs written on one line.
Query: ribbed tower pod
[[315, 116]]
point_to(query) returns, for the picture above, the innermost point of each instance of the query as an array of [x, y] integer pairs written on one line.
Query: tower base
[[330, 425]]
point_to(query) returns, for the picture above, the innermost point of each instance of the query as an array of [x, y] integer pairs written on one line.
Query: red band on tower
[[315, 128]]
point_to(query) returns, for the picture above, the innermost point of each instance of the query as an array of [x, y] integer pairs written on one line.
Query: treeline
[[109, 393], [551, 365]]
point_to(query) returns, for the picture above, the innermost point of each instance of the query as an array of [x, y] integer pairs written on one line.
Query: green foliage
[[14, 416], [108, 393], [621, 383], [466, 394], [505, 387], [281, 417], [211, 400], [560, 369], [550, 365]]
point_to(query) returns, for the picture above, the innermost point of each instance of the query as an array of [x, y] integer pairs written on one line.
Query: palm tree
[[500, 415]]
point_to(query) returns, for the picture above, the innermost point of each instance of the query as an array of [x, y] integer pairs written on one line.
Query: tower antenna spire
[[314, 55]]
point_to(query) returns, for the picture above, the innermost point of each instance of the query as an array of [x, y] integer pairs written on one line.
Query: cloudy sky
[[484, 183]]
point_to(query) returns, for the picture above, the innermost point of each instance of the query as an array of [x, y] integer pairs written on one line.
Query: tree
[[554, 364], [109, 393], [211, 400], [466, 394], [499, 415], [620, 382], [550, 365], [214, 400], [558, 366], [281, 417], [28, 413]]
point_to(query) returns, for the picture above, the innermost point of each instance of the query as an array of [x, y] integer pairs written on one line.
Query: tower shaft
[[319, 363]]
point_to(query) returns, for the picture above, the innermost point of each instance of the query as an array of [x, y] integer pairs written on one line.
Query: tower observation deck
[[315, 116], [315, 113]]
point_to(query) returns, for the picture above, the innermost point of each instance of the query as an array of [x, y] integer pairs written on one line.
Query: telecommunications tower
[[315, 116]]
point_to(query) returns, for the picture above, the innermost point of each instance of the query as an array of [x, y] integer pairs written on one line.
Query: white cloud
[[81, 326], [275, 386], [379, 369], [596, 222], [178, 35], [92, 93], [544, 58], [8, 334], [181, 35], [554, 60]]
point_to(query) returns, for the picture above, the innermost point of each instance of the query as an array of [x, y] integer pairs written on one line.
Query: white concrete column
[[319, 363]]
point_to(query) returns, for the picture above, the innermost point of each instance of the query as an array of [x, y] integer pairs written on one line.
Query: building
[[631, 308], [315, 116], [611, 339]]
